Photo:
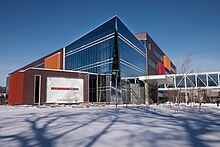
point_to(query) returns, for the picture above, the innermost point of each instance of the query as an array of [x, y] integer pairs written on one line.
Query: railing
[[208, 80]]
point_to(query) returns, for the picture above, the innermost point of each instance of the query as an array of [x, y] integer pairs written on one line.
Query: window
[[149, 45], [201, 81], [37, 85], [172, 69], [167, 72], [152, 63], [213, 80], [146, 44], [180, 82], [157, 54], [40, 65]]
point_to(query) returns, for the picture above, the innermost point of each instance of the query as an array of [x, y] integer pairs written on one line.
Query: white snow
[[155, 125]]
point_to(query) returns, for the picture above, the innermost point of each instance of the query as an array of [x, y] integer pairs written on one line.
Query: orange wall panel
[[166, 62], [53, 62], [16, 84]]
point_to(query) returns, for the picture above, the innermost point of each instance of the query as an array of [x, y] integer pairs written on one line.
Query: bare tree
[[77, 97], [191, 96], [2, 89], [2, 95], [201, 94], [69, 98], [73, 97], [186, 67], [172, 94], [101, 88]]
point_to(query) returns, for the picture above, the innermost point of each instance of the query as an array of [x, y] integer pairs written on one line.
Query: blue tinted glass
[[123, 30], [97, 58], [190, 81], [213, 79], [40, 65], [152, 63], [132, 63], [145, 43], [201, 81], [94, 51], [102, 31], [172, 69], [132, 53], [180, 81], [157, 54]]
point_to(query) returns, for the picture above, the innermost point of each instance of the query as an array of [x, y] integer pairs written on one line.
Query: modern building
[[101, 66], [158, 62]]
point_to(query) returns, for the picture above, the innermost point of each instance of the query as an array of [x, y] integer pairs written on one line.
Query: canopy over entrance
[[156, 79]]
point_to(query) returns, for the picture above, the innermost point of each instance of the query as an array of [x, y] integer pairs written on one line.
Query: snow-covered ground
[[162, 125]]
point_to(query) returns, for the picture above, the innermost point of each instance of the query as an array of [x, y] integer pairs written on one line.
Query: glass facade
[[110, 49], [92, 52], [99, 88], [132, 53], [95, 52]]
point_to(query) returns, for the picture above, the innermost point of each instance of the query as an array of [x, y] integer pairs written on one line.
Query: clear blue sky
[[30, 29]]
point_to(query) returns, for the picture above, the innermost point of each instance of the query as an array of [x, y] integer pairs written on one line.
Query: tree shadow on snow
[[40, 126], [198, 126]]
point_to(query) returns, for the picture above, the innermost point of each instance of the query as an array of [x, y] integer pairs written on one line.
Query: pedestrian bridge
[[206, 81]]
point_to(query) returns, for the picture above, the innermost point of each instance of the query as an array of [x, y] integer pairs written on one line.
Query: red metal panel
[[15, 94], [161, 68]]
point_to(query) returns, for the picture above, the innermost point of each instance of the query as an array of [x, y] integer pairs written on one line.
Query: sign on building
[[64, 90]]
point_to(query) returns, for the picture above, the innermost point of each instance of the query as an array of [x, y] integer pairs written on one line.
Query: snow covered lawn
[[154, 126]]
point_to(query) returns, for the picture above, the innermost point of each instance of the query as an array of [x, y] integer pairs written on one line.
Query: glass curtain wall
[[99, 88], [132, 53], [92, 52], [109, 49]]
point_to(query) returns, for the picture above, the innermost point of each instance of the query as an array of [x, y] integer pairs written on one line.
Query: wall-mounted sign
[[64, 90]]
